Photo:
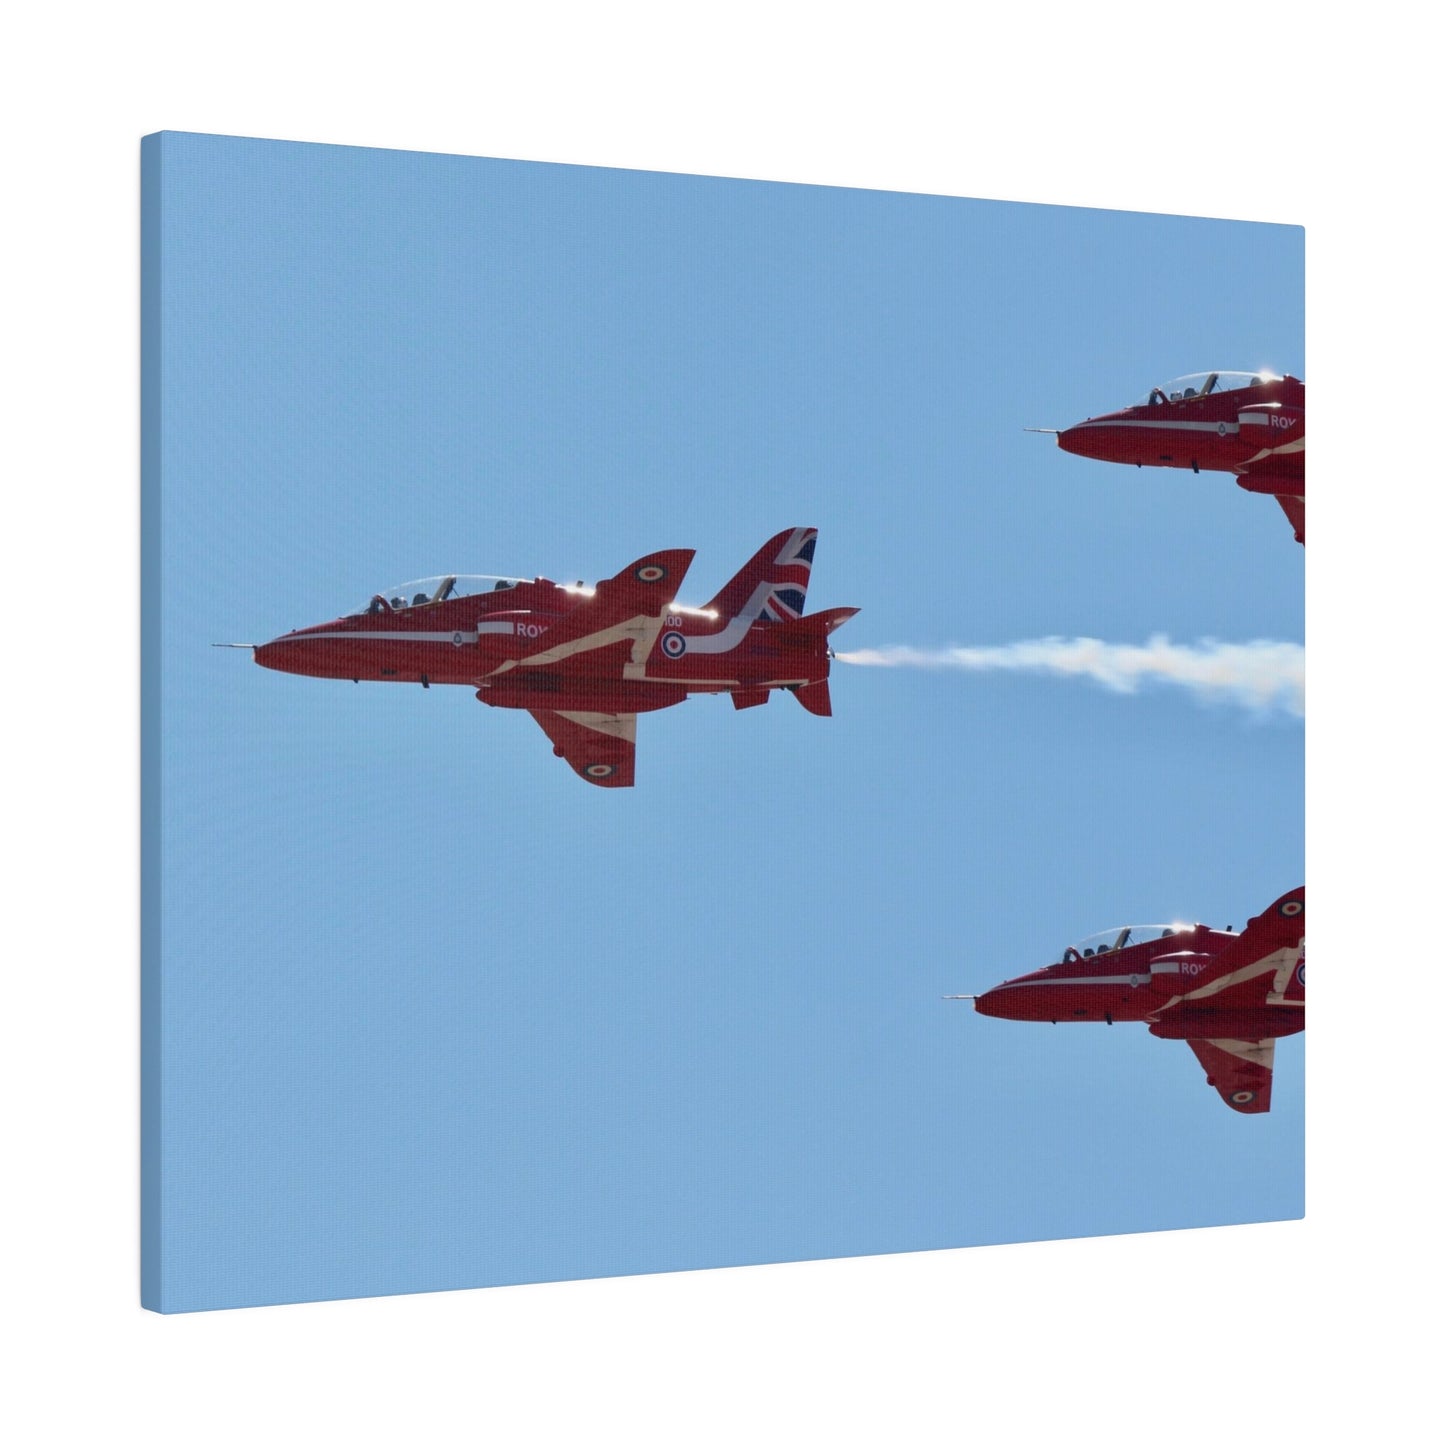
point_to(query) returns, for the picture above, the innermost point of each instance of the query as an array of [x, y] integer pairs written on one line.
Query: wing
[[1262, 967], [628, 608], [600, 746], [1242, 1072], [1294, 509]]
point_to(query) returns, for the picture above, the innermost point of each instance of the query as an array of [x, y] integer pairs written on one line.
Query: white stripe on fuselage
[[737, 628], [469, 634], [1134, 979], [1230, 427], [1289, 449], [633, 630], [1280, 963]]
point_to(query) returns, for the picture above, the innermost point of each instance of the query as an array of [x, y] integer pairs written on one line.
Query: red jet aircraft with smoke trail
[[1243, 422], [1229, 996], [585, 661]]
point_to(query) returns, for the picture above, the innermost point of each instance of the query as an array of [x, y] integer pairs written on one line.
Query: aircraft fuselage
[[1211, 423], [490, 642], [1161, 983]]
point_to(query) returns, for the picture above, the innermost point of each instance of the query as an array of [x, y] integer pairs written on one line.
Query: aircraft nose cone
[[276, 655], [988, 1003], [1071, 440]]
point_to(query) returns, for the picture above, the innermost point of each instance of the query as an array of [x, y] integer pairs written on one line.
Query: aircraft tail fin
[[774, 582]]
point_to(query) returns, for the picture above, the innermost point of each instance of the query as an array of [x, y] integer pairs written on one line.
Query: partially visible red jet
[[1229, 996], [1248, 423], [585, 661]]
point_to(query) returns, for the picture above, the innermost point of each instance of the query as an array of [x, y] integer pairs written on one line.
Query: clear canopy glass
[[427, 590], [1203, 383], [1112, 939]]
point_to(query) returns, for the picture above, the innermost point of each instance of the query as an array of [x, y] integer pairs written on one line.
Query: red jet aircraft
[[1247, 423], [583, 661], [1229, 996]]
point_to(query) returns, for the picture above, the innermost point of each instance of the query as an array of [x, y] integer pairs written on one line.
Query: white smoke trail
[[1263, 676]]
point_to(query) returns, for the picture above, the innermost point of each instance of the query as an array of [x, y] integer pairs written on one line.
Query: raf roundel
[[1242, 1096], [1292, 908], [674, 644], [651, 573], [600, 770], [1299, 974]]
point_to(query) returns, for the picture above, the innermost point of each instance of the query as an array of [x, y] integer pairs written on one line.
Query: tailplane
[[815, 629], [809, 635]]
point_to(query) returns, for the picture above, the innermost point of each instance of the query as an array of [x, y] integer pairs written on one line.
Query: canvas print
[[886, 612]]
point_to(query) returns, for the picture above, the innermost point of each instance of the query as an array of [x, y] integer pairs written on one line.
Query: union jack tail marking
[[774, 583]]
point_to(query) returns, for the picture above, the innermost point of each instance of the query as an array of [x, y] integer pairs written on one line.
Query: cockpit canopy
[[436, 589], [1203, 383], [1115, 938]]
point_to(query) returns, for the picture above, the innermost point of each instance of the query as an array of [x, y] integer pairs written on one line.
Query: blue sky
[[438, 1014]]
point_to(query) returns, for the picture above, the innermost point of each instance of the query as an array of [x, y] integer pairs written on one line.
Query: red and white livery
[[1229, 996], [585, 661], [1248, 423]]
